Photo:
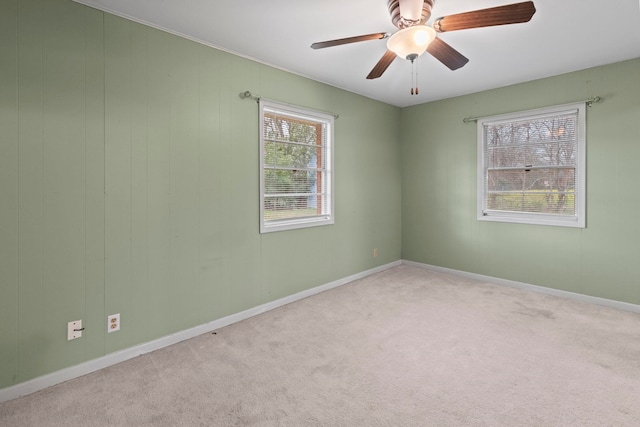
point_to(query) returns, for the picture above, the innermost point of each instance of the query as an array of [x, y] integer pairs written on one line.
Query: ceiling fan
[[414, 37]]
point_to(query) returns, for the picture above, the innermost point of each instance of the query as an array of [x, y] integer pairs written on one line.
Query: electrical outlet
[[74, 330], [375, 252], [113, 323]]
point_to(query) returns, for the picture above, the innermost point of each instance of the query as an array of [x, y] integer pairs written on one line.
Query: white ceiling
[[563, 36]]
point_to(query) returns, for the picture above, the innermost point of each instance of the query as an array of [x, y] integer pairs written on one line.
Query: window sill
[[292, 224], [534, 219]]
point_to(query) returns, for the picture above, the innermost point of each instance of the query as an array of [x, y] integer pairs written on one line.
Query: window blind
[[531, 164]]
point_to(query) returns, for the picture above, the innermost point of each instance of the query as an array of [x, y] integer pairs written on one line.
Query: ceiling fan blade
[[510, 14], [337, 42], [382, 65], [444, 53]]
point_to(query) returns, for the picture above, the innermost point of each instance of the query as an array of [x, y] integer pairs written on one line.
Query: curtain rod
[[247, 94], [588, 101]]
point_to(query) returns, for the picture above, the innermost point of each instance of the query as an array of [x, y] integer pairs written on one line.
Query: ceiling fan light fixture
[[411, 42]]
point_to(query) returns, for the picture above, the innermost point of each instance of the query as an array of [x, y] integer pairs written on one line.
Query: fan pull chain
[[417, 79], [414, 78]]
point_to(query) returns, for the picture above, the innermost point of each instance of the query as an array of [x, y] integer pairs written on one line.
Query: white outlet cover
[[113, 323], [74, 330]]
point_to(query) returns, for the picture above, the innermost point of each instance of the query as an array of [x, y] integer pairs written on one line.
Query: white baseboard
[[85, 368], [529, 287]]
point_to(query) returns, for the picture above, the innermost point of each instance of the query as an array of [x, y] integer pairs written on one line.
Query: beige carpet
[[405, 347]]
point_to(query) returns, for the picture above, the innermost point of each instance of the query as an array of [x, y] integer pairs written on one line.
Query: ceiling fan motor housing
[[404, 22]]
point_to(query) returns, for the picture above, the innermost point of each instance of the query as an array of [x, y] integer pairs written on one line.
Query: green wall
[[129, 184], [439, 225]]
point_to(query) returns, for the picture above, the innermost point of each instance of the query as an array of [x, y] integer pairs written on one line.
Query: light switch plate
[[74, 330]]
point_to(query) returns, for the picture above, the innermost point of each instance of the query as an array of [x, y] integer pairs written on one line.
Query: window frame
[[310, 115], [579, 219]]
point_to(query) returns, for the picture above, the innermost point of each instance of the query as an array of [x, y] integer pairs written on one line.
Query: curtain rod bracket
[[590, 101], [248, 94]]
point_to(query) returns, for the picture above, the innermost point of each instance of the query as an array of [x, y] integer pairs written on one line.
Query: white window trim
[[579, 219], [296, 223]]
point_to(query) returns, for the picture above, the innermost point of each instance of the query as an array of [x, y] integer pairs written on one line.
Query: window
[[296, 157], [531, 167]]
